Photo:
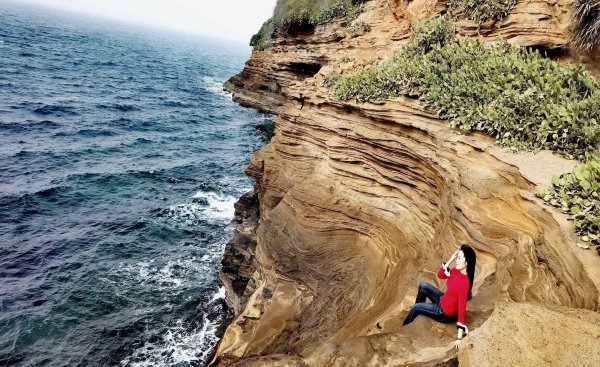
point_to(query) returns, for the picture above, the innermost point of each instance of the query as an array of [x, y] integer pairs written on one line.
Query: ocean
[[120, 160]]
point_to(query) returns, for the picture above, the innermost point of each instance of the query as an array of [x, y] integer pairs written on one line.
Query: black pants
[[432, 310]]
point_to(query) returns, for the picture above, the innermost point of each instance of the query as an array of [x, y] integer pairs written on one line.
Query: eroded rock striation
[[358, 203]]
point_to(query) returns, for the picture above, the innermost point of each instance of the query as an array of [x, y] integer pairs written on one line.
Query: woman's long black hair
[[471, 259]]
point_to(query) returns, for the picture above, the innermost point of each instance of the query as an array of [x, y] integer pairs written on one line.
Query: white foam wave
[[178, 346], [206, 206], [171, 274], [163, 274], [215, 86], [219, 295], [220, 207]]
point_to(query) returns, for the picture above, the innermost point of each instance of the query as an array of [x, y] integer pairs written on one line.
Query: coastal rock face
[[238, 266], [361, 202]]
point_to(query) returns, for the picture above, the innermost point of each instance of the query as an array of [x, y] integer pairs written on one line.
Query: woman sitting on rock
[[449, 306]]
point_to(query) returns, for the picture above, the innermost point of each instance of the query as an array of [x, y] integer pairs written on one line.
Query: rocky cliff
[[358, 203]]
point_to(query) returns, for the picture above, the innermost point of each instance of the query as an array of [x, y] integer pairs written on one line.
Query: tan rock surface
[[522, 334], [530, 23], [360, 202]]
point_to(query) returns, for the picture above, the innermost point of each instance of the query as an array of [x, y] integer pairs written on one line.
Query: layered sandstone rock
[[360, 202], [530, 23]]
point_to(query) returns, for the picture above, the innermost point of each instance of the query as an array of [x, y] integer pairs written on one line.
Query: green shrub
[[432, 32], [511, 93], [585, 15], [331, 79], [482, 10], [289, 14], [578, 194], [262, 39], [293, 13]]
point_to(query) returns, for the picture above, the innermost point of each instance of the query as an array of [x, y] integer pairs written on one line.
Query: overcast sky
[[232, 19]]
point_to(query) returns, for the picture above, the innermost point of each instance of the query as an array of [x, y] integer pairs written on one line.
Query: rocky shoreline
[[237, 266]]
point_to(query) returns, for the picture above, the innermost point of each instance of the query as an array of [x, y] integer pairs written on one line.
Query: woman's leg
[[427, 290], [431, 310]]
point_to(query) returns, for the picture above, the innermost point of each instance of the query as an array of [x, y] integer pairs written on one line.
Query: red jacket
[[455, 299]]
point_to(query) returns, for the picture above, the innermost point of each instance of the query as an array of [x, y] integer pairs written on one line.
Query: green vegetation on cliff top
[[482, 10], [262, 39], [289, 14], [511, 93]]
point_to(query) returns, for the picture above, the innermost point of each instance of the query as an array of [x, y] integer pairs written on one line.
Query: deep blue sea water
[[120, 160]]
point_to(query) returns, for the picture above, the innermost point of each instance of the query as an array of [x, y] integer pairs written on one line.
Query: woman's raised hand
[[454, 255]]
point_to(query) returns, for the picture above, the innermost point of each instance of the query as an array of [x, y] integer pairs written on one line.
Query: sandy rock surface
[[524, 334]]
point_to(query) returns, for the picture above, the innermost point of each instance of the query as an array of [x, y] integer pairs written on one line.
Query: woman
[[450, 306]]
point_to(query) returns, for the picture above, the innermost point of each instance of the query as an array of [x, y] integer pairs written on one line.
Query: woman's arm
[[444, 271], [451, 259]]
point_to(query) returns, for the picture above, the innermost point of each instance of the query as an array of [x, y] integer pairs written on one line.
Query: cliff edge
[[359, 202]]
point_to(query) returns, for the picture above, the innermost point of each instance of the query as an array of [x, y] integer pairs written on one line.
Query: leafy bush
[[262, 39], [482, 10], [585, 15], [511, 93], [290, 14], [432, 32], [293, 13], [578, 194]]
